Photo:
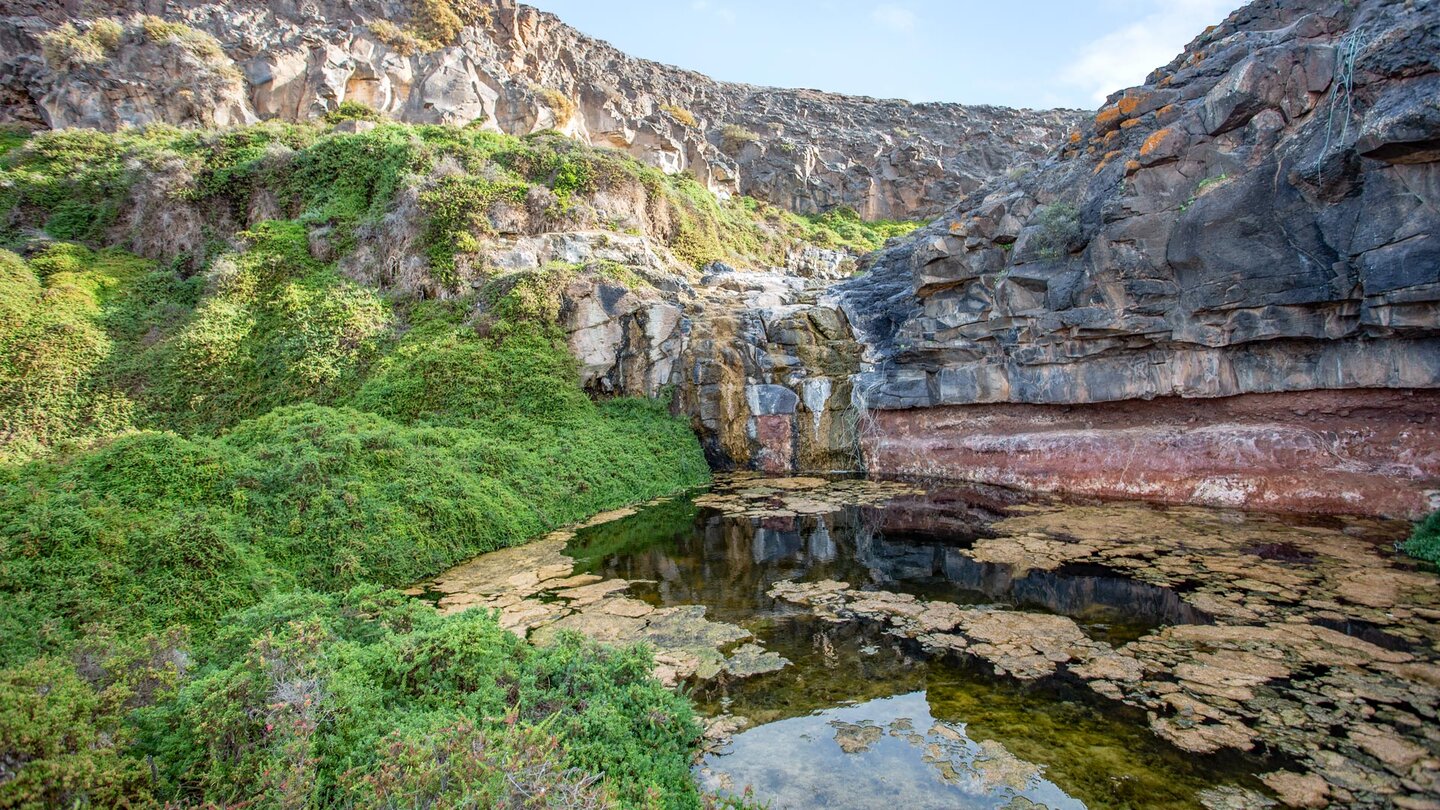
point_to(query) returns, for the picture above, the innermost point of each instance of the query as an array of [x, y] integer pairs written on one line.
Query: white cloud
[[901, 20], [1124, 57]]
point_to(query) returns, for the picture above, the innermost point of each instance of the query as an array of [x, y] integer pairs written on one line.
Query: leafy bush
[[1058, 226], [461, 445], [61, 745], [65, 46], [363, 699], [1424, 542], [53, 348], [405, 42], [311, 697], [276, 328], [351, 110]]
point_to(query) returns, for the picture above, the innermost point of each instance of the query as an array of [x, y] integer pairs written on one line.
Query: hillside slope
[[510, 68]]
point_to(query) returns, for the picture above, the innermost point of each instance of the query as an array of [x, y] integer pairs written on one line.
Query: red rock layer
[[1357, 451]]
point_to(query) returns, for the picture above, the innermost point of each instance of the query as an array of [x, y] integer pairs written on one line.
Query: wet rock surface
[[1314, 644], [1216, 659], [765, 374], [537, 594]]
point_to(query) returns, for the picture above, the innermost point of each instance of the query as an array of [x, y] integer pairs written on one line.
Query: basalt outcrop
[[518, 70], [1224, 288]]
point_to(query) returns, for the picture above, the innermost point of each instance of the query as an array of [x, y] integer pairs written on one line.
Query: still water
[[863, 719]]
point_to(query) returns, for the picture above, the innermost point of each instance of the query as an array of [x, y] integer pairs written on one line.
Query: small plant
[[734, 137], [353, 111], [66, 46], [107, 33], [680, 114], [560, 104], [404, 42], [1424, 542], [1204, 186], [1058, 226], [198, 43]]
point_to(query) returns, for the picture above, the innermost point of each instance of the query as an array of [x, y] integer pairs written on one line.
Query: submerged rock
[[537, 594]]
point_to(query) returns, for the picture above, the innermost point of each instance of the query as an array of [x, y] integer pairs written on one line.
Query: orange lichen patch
[[1105, 161], [1165, 111], [1130, 102], [1133, 122], [1110, 137], [1132, 166], [1107, 119], [957, 226], [1075, 136], [1165, 82], [1153, 142]]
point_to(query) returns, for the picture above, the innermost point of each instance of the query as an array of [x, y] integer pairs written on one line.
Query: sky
[[1020, 53]]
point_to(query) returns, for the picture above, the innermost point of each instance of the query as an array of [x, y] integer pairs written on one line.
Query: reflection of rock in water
[[1275, 634], [887, 752]]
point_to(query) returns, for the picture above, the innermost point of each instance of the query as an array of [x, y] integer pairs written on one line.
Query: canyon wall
[[517, 70], [1224, 288]]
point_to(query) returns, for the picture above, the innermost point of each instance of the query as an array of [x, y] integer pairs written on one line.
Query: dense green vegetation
[[1425, 541], [212, 464], [73, 185], [362, 699]]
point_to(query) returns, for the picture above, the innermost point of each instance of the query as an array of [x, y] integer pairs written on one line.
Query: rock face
[[1148, 312], [519, 70]]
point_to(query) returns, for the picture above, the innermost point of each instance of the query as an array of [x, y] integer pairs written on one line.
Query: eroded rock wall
[[1224, 288], [519, 70]]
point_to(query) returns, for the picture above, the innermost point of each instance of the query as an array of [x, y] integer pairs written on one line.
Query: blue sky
[[1021, 53]]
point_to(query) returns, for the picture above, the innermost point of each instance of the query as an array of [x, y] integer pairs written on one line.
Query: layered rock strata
[[1156, 310]]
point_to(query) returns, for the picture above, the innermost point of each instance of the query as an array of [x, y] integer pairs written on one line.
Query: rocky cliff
[[1224, 288], [510, 68]]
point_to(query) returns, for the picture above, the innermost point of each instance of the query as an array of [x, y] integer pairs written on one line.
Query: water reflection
[[892, 751], [688, 556], [860, 718]]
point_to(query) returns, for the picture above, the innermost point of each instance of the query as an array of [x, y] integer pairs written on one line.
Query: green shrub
[[363, 699], [559, 103], [405, 42], [355, 700], [277, 328], [1058, 227], [66, 746], [107, 33], [65, 46], [351, 110], [457, 212], [1424, 542]]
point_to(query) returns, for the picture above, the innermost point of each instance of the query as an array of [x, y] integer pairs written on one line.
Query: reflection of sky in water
[[901, 757]]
